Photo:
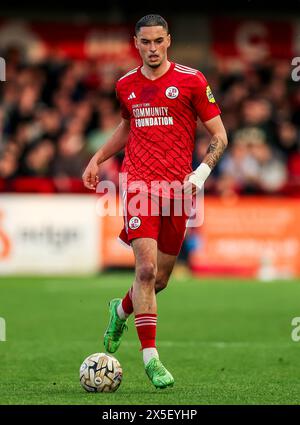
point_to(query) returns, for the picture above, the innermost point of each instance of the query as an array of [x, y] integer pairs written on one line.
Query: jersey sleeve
[[124, 111], [203, 99]]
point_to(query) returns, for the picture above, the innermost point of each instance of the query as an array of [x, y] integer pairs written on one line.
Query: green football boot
[[158, 374], [115, 328]]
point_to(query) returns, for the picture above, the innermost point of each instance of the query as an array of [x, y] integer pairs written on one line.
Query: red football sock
[[146, 328], [127, 302]]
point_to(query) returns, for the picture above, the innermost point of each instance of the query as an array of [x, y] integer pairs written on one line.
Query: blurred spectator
[[37, 159], [239, 168], [258, 112], [107, 123], [250, 165], [9, 161], [49, 122], [288, 138], [271, 174], [71, 155]]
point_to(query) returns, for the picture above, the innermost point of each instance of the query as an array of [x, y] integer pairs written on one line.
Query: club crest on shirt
[[209, 95], [134, 223], [172, 92]]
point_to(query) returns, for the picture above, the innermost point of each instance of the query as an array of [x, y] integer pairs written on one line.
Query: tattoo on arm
[[214, 151]]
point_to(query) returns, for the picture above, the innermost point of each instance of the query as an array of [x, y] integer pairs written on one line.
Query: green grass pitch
[[225, 341]]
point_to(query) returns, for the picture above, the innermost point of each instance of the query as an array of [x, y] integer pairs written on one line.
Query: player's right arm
[[114, 145]]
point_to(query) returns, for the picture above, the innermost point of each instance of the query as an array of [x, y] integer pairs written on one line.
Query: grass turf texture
[[224, 341]]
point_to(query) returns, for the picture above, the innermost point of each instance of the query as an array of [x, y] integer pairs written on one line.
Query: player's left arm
[[217, 143], [214, 152]]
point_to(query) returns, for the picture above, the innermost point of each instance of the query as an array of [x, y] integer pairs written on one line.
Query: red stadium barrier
[[43, 185]]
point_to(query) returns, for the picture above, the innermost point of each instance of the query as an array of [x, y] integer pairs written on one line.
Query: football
[[100, 372]]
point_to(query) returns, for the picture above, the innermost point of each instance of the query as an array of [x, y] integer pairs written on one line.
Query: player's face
[[152, 44]]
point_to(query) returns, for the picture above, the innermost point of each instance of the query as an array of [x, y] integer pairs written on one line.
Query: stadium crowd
[[56, 114]]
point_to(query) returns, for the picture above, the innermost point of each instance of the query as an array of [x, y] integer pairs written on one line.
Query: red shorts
[[155, 217]]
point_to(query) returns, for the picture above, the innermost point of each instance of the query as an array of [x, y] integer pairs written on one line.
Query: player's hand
[[188, 187], [90, 176]]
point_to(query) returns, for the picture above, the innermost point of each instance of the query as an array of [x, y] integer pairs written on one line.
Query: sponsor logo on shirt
[[172, 92], [209, 95], [131, 96], [152, 116]]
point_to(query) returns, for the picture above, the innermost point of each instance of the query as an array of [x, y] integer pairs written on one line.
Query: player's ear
[[169, 40], [135, 41]]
